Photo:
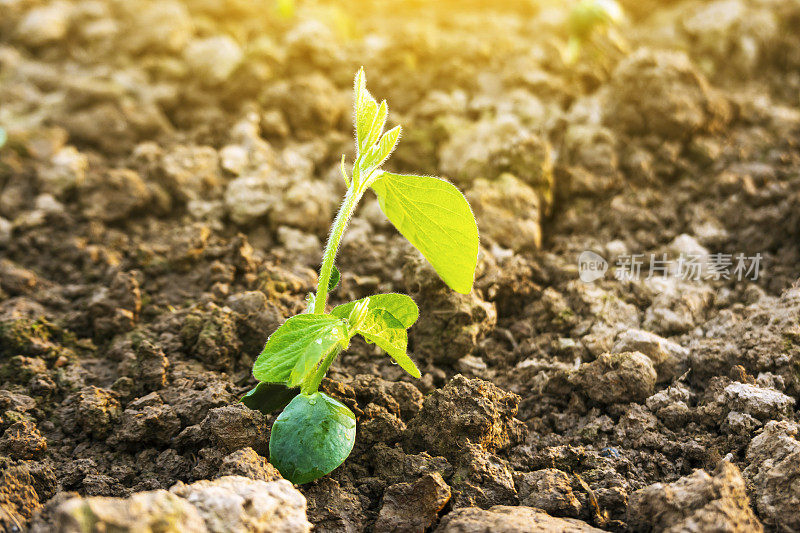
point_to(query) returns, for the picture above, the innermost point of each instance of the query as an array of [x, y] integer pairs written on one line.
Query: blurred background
[[236, 112]]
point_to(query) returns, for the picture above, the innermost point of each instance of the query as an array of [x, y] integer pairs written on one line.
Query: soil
[[169, 177]]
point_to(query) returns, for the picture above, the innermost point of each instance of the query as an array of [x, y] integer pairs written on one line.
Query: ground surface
[[170, 175]]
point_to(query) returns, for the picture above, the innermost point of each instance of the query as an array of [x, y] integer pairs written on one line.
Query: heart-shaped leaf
[[436, 218], [295, 349], [311, 437]]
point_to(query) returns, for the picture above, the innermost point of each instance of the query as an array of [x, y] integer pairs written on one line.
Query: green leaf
[[3, 137], [377, 125], [335, 277], [295, 349], [269, 397], [366, 109], [384, 323], [381, 151], [436, 218], [311, 437], [383, 329], [402, 307]]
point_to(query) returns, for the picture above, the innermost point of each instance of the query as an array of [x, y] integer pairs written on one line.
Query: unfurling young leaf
[[384, 322], [366, 109], [296, 348], [381, 151], [402, 307], [435, 217], [377, 125], [383, 329]]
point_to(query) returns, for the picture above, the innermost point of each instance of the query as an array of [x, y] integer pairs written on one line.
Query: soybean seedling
[[315, 433]]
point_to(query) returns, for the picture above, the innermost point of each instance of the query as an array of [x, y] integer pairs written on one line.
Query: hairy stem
[[339, 224]]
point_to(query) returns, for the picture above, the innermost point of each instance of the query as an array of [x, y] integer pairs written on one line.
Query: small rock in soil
[[720, 29], [115, 309], [246, 462], [16, 280], [482, 479], [332, 508], [310, 103], [193, 399], [22, 490], [548, 489], [65, 171], [411, 507], [236, 503], [235, 426], [165, 26], [191, 172], [147, 512], [671, 405], [759, 402], [505, 519], [670, 359], [257, 317], [616, 378], [92, 409], [465, 411], [695, 503], [379, 425], [22, 440], [213, 59], [45, 24], [210, 335], [489, 147], [678, 306], [149, 368], [146, 420], [398, 397], [773, 471]]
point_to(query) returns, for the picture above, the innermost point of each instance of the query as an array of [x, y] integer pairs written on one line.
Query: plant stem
[[339, 224], [312, 385]]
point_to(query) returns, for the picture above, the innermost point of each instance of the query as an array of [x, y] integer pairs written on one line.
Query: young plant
[[315, 433], [588, 17]]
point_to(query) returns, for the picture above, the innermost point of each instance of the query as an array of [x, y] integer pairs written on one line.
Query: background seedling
[[590, 17], [315, 433]]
